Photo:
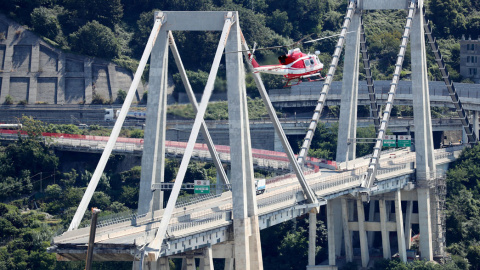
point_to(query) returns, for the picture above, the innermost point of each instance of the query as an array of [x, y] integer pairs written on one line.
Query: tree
[[324, 142], [95, 39], [45, 22], [140, 36], [473, 256], [121, 95], [363, 149], [53, 192], [198, 80], [137, 133], [107, 12], [279, 22], [129, 196], [449, 17], [100, 200]]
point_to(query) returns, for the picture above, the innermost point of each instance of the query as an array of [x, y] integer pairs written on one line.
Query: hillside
[[104, 28]]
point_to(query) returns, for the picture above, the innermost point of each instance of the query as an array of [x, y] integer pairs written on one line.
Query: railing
[[116, 218], [193, 199], [280, 198], [203, 218]]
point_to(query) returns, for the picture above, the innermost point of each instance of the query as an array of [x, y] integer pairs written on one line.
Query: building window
[[472, 71], [470, 47], [472, 59]]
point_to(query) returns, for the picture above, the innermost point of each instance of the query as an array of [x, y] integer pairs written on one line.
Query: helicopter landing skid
[[297, 81]]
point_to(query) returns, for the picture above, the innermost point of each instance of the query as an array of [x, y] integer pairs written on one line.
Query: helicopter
[[295, 66]]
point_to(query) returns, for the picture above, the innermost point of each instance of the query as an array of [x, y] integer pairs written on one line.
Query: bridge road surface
[[204, 221]]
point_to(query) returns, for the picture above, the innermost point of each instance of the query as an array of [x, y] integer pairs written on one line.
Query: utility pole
[[91, 241]]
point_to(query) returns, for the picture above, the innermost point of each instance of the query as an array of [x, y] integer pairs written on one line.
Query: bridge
[[262, 159], [369, 196], [199, 222], [306, 94]]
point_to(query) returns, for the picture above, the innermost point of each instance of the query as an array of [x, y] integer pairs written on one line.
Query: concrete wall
[[33, 71]]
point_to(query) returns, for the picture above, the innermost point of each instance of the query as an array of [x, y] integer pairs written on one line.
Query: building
[[469, 56], [34, 72]]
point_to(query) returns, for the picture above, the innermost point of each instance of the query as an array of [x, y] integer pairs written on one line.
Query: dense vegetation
[[463, 207], [102, 28]]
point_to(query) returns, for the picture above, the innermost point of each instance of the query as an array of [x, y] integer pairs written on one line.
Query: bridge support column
[[408, 224], [348, 105], [229, 264], [362, 233], [402, 251], [337, 220], [312, 236], [331, 234], [425, 162], [371, 218], [153, 158], [346, 232], [248, 254], [206, 263], [164, 263], [383, 228], [424, 218], [161, 264], [188, 263]]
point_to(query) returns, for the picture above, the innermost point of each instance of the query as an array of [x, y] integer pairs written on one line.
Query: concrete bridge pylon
[[246, 235], [425, 162]]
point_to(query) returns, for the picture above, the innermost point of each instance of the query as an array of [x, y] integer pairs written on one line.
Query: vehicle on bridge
[[260, 186], [111, 114], [11, 126]]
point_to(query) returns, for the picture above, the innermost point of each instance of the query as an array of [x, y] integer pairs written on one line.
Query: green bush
[[98, 99], [121, 95], [45, 22], [95, 39], [8, 100]]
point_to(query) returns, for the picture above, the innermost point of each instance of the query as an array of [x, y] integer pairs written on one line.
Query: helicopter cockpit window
[[311, 62], [307, 63]]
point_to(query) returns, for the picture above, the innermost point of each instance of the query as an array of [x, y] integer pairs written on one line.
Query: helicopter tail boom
[[253, 61]]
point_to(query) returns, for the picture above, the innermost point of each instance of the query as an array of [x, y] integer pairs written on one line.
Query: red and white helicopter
[[295, 65]]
